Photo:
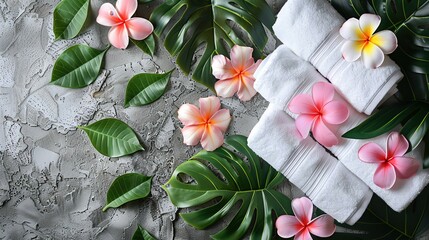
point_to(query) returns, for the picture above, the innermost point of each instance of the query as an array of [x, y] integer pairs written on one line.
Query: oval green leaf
[[127, 188], [205, 24], [112, 137], [382, 121], [146, 45], [417, 127], [142, 234], [69, 18], [245, 196], [77, 67], [145, 88]]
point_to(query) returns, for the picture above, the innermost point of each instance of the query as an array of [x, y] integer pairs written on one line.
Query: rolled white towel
[[311, 30], [307, 165], [297, 76]]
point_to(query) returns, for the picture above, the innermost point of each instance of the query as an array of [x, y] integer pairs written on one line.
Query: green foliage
[[69, 18], [381, 222], [145, 88], [77, 67], [193, 24], [146, 45], [142, 234], [127, 188], [244, 191], [112, 137]]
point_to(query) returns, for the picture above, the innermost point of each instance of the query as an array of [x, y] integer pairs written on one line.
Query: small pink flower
[[301, 225], [391, 164], [206, 125], [235, 75], [122, 24], [318, 112]]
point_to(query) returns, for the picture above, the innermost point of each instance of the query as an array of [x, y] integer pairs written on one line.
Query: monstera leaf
[[187, 25], [409, 20], [243, 191], [381, 222]]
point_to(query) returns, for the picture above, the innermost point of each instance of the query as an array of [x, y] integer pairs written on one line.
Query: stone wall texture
[[53, 183]]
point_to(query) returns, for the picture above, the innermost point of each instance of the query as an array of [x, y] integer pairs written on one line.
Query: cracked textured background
[[52, 181]]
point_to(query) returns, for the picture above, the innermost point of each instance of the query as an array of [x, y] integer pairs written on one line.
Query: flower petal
[[352, 31], [126, 8], [322, 226], [303, 123], [372, 56], [139, 28], [385, 176], [118, 36], [397, 145], [287, 226], [371, 153], [222, 67], [189, 114], [252, 69], [323, 93], [335, 112], [303, 209], [304, 234], [212, 138], [352, 50], [108, 16], [241, 58], [192, 134], [302, 104], [405, 167], [369, 23], [245, 88], [221, 119], [386, 40], [227, 88], [323, 134], [209, 106]]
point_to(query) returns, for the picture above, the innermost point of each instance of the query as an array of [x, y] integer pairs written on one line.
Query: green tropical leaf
[[127, 188], [69, 18], [208, 23], [381, 222], [77, 67], [142, 234], [112, 137], [145, 1], [417, 127], [382, 121], [426, 154], [409, 20], [145, 88], [146, 45], [227, 186]]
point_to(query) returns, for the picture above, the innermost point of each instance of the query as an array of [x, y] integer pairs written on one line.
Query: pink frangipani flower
[[318, 112], [391, 164], [302, 224], [235, 75], [122, 23], [206, 125], [361, 40]]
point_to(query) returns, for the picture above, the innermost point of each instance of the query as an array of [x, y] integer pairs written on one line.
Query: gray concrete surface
[[53, 183]]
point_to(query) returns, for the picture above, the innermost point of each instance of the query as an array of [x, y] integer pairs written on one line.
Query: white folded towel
[[307, 165], [283, 75], [311, 30]]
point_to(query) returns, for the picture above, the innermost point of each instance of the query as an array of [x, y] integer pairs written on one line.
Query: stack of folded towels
[[311, 53]]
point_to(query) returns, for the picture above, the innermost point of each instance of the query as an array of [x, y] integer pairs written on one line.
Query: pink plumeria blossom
[[235, 75], [318, 113], [302, 224], [392, 163], [361, 40], [207, 124], [122, 24]]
